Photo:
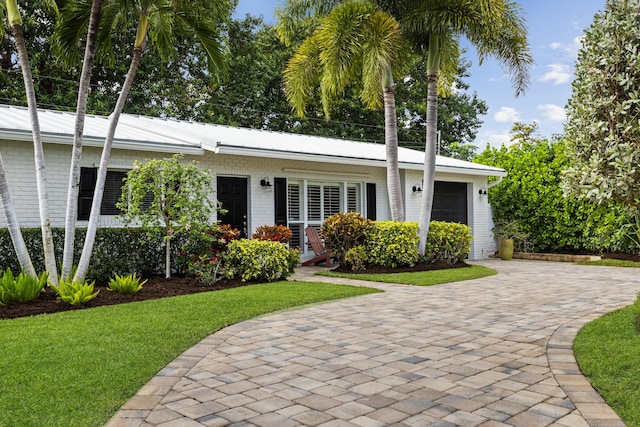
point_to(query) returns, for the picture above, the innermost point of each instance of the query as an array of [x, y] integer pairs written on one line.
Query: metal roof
[[167, 135]]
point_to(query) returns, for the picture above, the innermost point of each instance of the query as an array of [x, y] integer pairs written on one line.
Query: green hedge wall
[[116, 250]]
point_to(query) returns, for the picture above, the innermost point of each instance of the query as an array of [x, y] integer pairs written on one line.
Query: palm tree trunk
[[12, 223], [167, 259], [391, 144], [426, 204], [43, 199], [76, 153], [94, 216]]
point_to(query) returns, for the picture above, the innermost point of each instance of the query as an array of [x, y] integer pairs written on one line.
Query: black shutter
[[85, 192], [280, 196], [112, 191], [371, 201]]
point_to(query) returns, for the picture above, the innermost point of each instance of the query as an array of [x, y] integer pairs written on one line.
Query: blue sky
[[555, 28]]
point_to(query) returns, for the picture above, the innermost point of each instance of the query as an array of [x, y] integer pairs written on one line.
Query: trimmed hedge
[[261, 260], [448, 241], [119, 251], [392, 243]]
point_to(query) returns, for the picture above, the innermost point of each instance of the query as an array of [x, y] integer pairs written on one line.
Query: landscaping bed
[[156, 287]]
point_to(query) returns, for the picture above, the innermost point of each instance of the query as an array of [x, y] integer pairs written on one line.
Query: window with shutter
[[331, 201], [314, 203], [353, 198]]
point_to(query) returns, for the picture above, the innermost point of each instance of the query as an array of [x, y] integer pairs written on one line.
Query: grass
[[612, 263], [608, 352], [77, 368], [422, 278]]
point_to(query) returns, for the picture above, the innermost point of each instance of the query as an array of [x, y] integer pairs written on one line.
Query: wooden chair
[[317, 245]]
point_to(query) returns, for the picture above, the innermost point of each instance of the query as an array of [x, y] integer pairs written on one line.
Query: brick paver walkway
[[490, 352]]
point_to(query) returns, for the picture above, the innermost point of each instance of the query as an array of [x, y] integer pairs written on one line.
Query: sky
[[555, 28]]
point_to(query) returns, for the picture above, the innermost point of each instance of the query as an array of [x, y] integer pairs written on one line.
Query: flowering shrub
[[209, 269], [275, 233], [205, 243]]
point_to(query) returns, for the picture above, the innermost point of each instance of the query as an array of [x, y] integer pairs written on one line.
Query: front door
[[232, 194]]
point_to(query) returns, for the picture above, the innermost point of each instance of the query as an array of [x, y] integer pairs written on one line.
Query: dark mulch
[[380, 269], [624, 257], [156, 287], [160, 287]]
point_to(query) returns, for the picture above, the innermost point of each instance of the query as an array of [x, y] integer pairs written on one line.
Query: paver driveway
[[493, 351]]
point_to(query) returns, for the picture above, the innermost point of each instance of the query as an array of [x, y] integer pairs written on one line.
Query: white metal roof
[[169, 136]]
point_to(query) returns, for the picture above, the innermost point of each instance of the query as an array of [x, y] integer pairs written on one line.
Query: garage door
[[450, 202]]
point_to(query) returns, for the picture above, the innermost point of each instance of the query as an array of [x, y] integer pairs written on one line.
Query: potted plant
[[506, 232]]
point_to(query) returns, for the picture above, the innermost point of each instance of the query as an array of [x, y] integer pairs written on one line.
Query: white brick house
[[262, 177]]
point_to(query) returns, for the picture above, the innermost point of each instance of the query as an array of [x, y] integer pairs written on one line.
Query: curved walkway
[[490, 352]]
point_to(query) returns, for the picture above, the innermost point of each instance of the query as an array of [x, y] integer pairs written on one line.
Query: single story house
[[261, 177]]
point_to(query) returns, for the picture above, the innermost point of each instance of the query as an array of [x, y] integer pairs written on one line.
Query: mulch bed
[[156, 287], [160, 287], [379, 269], [624, 257]]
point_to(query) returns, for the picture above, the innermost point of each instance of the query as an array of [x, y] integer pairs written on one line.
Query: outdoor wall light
[[264, 182], [482, 191], [417, 187]]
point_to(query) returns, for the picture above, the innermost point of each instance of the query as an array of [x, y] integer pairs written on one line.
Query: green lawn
[[78, 368], [612, 263], [422, 278], [608, 352]]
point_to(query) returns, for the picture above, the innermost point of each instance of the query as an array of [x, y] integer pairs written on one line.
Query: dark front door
[[232, 194], [450, 202]]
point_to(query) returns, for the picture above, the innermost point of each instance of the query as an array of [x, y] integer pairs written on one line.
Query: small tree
[[167, 196], [603, 132]]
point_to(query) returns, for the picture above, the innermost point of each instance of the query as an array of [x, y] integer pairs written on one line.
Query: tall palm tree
[[14, 21], [159, 21], [67, 20], [494, 27], [14, 228], [355, 41], [433, 29]]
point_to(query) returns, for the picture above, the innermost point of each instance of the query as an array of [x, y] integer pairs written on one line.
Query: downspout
[[494, 183]]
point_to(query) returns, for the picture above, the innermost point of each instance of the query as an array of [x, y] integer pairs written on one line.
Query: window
[[112, 191]]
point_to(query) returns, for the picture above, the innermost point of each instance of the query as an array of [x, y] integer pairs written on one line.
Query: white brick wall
[[18, 158]]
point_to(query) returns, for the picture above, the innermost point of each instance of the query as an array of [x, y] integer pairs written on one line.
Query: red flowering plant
[[274, 233], [202, 251]]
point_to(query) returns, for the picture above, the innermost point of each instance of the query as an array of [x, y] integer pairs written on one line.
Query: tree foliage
[[531, 194], [603, 130], [167, 195]]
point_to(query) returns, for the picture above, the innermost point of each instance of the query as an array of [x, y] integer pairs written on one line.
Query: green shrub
[[75, 293], [261, 260], [209, 269], [392, 243], [448, 241], [275, 233], [357, 259], [126, 284], [196, 246], [22, 288], [344, 231]]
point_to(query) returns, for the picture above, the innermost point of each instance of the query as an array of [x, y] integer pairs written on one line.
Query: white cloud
[[493, 138], [558, 74], [553, 112], [507, 114]]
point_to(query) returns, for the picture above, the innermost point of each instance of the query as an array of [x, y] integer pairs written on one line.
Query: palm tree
[[159, 20], [81, 106], [433, 27], [355, 41], [14, 228], [15, 23]]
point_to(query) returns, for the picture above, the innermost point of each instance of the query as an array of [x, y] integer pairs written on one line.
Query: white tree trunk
[[14, 228], [167, 259], [94, 217], [41, 182], [76, 153], [394, 187], [429, 160]]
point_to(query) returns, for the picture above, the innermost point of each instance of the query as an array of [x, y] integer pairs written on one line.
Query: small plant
[[75, 293], [275, 233], [22, 288], [126, 284], [357, 259], [512, 230], [261, 260], [209, 269]]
